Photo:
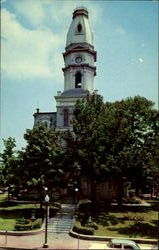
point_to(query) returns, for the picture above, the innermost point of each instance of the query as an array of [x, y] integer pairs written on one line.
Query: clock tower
[[79, 68]]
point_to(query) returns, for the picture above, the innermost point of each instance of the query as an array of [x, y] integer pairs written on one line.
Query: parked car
[[123, 244]]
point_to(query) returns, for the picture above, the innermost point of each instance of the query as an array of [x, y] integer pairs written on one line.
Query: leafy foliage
[[83, 230], [41, 159], [8, 164], [27, 225], [116, 140]]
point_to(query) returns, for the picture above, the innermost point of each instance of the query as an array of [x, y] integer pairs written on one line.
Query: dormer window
[[79, 27]]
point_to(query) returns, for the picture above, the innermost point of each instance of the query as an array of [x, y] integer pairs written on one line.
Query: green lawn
[[3, 197], [129, 225], [9, 214], [19, 207], [7, 224]]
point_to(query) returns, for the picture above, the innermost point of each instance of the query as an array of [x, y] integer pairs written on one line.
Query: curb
[[23, 233], [16, 248], [105, 238]]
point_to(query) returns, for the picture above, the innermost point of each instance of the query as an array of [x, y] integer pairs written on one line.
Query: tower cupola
[[79, 31], [79, 55]]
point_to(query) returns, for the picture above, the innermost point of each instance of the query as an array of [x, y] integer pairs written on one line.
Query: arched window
[[78, 80], [79, 27], [65, 118]]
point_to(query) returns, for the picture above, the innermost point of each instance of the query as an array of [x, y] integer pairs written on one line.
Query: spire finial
[[80, 11]]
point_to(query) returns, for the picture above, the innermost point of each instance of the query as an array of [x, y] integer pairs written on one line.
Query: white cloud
[[63, 9], [33, 11], [36, 52], [140, 60], [38, 11], [27, 53]]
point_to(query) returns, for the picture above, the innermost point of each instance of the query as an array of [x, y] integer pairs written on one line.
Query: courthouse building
[[79, 72]]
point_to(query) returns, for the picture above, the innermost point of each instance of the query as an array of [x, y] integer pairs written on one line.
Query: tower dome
[[79, 31]]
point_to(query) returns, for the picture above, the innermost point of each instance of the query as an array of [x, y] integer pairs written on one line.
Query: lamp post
[[76, 190], [47, 198]]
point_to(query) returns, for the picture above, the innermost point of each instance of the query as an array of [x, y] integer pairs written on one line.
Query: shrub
[[129, 200], [133, 217], [83, 218], [106, 220], [21, 221], [113, 220], [37, 223], [82, 230], [92, 224], [28, 225], [21, 227], [141, 229], [137, 201]]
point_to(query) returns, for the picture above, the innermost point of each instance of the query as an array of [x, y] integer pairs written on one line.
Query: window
[[128, 247], [79, 27], [117, 246], [78, 80], [65, 118]]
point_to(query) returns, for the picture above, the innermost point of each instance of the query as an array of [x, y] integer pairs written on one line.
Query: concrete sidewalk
[[55, 241]]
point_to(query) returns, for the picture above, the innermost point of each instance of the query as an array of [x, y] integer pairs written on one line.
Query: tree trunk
[[93, 194], [120, 193]]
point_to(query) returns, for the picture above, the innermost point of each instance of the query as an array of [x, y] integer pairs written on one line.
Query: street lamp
[[76, 190], [47, 198]]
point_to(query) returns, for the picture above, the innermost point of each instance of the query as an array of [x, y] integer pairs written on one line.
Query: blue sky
[[33, 40]]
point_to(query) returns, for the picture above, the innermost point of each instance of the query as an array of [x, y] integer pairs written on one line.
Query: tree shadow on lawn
[[138, 229], [155, 222], [126, 209]]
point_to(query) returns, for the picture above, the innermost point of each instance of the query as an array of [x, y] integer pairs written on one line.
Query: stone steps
[[63, 222], [58, 225]]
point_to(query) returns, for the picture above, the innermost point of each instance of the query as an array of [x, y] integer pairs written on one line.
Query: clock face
[[78, 59]]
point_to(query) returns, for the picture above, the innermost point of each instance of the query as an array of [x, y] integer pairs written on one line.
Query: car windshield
[[126, 245], [137, 246], [134, 246]]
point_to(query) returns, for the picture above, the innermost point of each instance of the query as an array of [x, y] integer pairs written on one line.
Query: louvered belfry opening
[[78, 80]]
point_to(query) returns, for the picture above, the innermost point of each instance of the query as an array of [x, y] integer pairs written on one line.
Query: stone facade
[[48, 118], [103, 190]]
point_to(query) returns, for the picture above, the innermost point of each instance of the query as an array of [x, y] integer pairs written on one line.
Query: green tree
[[40, 160], [8, 164], [115, 140], [142, 124], [83, 141]]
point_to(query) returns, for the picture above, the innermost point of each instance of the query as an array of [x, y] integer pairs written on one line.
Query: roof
[[126, 242], [77, 92], [122, 241]]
